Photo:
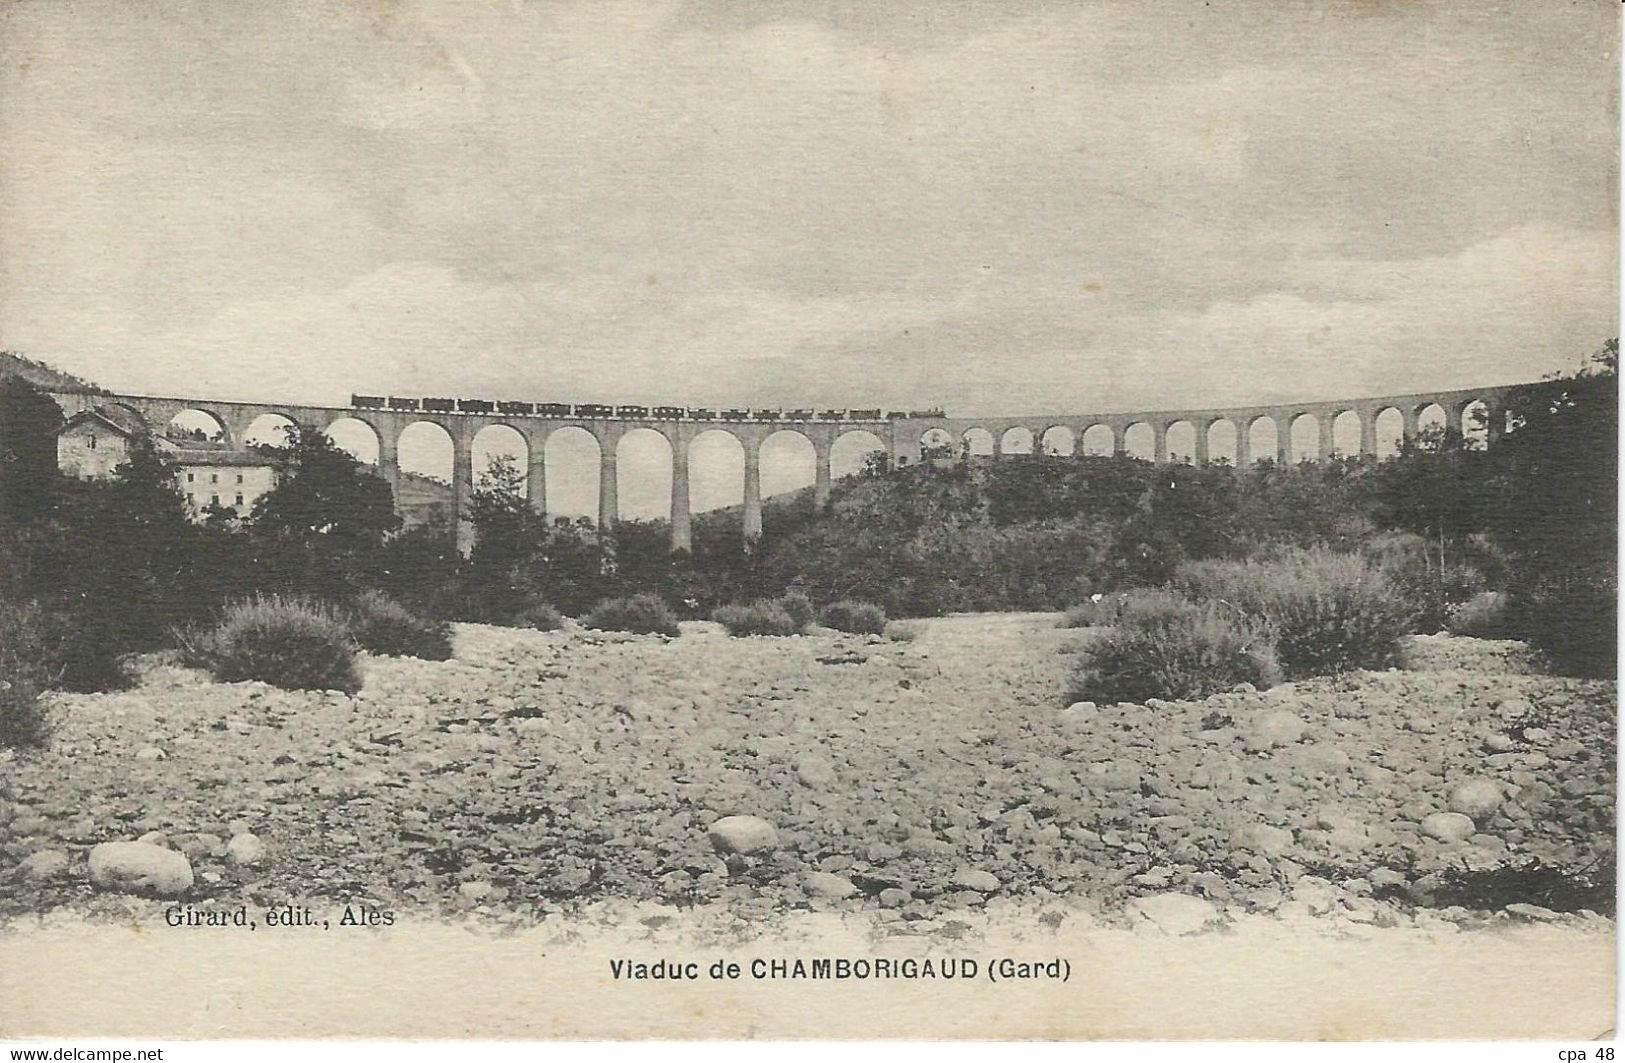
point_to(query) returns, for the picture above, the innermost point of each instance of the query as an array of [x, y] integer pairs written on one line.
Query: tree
[[29, 422], [322, 525]]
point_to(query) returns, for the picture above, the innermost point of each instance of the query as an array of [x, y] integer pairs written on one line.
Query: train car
[[669, 413], [631, 411], [367, 402], [702, 414], [736, 415], [935, 411], [594, 409], [832, 415], [767, 415], [515, 407], [863, 415], [403, 404], [897, 415], [799, 415], [440, 405], [476, 405], [553, 409]]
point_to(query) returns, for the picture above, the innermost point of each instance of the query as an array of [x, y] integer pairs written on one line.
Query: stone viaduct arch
[[901, 435]]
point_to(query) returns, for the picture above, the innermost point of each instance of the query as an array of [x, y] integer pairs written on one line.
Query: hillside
[[44, 376]]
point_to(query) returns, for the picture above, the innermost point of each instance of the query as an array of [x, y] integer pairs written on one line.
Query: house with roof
[[92, 444]]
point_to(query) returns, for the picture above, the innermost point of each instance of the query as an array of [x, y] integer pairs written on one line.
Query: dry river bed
[[919, 785]]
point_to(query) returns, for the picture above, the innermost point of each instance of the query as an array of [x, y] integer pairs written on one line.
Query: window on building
[[239, 477], [214, 500], [190, 477], [239, 500], [214, 477], [92, 442]]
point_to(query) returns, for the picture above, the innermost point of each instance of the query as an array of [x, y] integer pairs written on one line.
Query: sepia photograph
[[832, 520]]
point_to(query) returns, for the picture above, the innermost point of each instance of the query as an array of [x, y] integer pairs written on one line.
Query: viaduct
[[902, 436]]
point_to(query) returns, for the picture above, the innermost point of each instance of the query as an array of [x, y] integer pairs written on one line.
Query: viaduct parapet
[[903, 437]]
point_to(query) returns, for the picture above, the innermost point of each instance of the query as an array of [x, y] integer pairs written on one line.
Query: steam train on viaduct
[[598, 411]]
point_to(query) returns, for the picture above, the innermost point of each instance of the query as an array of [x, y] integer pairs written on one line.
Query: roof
[[239, 458], [120, 421]]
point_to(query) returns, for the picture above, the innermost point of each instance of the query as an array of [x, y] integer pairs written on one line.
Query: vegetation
[[385, 627], [539, 616], [1486, 615], [27, 658], [292, 643], [1324, 612], [860, 618], [758, 618], [641, 614], [1167, 646]]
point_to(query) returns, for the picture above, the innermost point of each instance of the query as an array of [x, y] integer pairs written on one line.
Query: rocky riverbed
[[909, 782]]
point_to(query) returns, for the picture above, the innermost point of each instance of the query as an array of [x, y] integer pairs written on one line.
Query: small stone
[[827, 885], [972, 879], [134, 867], [743, 835], [1448, 826], [44, 865], [1500, 743], [1173, 913], [1262, 838], [1477, 798], [245, 850], [479, 892], [893, 897], [1279, 728], [151, 753], [155, 837], [1533, 912], [817, 773]]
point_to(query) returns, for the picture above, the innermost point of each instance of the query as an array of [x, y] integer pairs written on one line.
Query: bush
[[1574, 629], [1103, 612], [1486, 615], [860, 618], [799, 606], [292, 643], [538, 616], [757, 618], [902, 631], [28, 667], [642, 614], [385, 627], [1327, 612], [1168, 647]]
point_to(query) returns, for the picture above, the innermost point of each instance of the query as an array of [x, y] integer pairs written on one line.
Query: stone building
[[90, 445]]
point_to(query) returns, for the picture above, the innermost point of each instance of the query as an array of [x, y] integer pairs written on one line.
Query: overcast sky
[[993, 207]]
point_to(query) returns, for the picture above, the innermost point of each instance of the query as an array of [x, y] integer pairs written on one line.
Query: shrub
[[1102, 612], [1574, 629], [1486, 615], [642, 614], [902, 631], [860, 618], [292, 643], [799, 606], [384, 626], [538, 616], [1167, 647], [757, 618], [28, 667], [1327, 612]]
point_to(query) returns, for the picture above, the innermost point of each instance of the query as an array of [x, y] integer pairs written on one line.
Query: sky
[[994, 207]]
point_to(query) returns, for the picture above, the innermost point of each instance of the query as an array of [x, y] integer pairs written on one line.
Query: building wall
[[91, 450], [233, 486]]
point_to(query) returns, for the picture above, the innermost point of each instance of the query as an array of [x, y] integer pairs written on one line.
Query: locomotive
[[367, 402]]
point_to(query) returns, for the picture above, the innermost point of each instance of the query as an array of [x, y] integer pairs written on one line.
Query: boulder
[[1278, 728], [816, 773], [828, 885], [1448, 826], [971, 879], [743, 835], [136, 867], [245, 850], [43, 866], [1262, 838], [1173, 913], [1476, 798]]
